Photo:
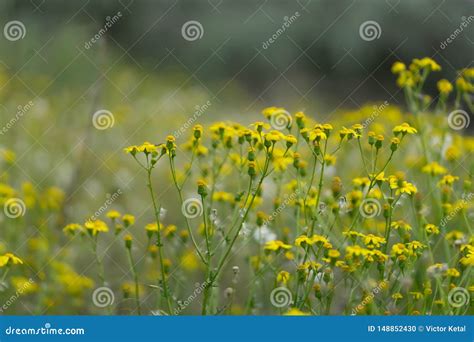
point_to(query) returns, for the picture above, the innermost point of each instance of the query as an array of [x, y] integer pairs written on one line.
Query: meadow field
[[130, 190]]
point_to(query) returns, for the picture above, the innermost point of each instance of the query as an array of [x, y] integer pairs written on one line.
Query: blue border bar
[[239, 328]]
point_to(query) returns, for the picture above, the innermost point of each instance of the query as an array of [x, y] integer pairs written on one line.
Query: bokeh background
[[152, 79], [144, 71]]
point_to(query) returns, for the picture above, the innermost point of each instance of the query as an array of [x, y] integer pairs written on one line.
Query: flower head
[[404, 129], [445, 87], [434, 169], [9, 259], [276, 245], [96, 226]]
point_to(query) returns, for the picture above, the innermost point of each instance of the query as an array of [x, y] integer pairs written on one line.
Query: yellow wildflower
[[113, 214], [276, 245], [283, 277], [434, 169], [398, 67], [96, 226], [296, 312], [444, 87], [372, 241], [431, 229], [448, 180], [72, 228], [404, 128], [452, 272], [9, 259], [128, 220]]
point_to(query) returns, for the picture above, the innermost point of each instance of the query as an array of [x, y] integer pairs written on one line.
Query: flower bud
[[300, 120], [197, 130], [202, 188], [170, 142], [394, 144], [252, 172], [128, 241], [251, 154], [379, 140]]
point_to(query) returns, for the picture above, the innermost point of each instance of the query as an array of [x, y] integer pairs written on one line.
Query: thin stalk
[[224, 258], [135, 278], [159, 244], [181, 200]]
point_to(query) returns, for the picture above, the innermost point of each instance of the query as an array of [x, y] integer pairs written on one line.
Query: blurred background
[[319, 61], [156, 64]]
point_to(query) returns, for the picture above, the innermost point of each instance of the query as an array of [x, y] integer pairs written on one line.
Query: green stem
[[181, 201], [135, 278], [159, 244], [224, 258]]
